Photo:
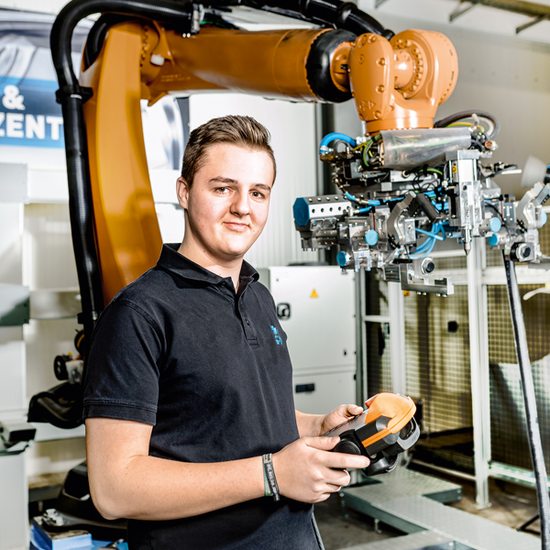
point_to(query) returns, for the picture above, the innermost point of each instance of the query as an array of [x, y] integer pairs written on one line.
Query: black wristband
[[269, 473]]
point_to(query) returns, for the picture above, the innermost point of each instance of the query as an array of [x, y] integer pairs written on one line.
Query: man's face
[[228, 203]]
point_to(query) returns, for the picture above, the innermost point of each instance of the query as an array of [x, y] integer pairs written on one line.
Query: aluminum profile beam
[[539, 12]]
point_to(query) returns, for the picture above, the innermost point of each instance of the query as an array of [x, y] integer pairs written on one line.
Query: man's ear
[[182, 191]]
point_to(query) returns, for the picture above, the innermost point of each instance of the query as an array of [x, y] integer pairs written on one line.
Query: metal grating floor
[[426, 540], [413, 503]]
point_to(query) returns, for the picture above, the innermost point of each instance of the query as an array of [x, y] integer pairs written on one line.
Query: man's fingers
[[338, 479], [342, 461], [322, 443], [339, 461], [353, 410], [351, 462]]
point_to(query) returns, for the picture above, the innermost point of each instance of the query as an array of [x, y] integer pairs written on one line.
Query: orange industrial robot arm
[[396, 81], [396, 84]]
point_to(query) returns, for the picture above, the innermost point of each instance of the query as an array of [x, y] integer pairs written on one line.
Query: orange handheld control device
[[381, 432]]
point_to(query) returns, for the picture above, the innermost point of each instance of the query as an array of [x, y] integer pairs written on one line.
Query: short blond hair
[[242, 131]]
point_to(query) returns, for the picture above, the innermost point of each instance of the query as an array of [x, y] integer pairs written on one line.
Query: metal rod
[[520, 476], [448, 471], [479, 369], [531, 9], [360, 338], [531, 23], [533, 432], [397, 338], [460, 11]]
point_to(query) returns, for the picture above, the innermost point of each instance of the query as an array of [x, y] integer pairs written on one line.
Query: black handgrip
[[348, 447], [381, 465]]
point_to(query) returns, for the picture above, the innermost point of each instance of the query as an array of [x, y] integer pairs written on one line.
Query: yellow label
[[314, 294]]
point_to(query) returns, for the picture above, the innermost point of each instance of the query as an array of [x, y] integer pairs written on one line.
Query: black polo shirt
[[209, 369]]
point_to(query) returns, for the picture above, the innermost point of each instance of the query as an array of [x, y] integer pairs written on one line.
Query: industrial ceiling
[[524, 20]]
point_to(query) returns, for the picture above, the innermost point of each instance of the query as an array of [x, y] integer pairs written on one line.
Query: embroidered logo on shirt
[[277, 336]]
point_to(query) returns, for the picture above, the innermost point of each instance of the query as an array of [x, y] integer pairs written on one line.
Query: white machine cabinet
[[315, 306]]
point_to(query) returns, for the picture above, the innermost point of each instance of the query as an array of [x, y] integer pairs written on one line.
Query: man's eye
[[221, 189], [258, 195]]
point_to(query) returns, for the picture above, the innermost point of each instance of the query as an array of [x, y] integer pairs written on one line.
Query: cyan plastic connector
[[543, 218], [342, 258], [495, 224], [493, 240], [371, 237], [301, 212]]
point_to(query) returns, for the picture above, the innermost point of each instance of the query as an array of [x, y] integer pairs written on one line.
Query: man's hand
[[338, 416], [307, 471], [320, 424]]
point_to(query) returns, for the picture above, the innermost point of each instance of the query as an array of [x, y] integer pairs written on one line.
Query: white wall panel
[[49, 257], [292, 127], [44, 341], [11, 229], [55, 456], [12, 371], [13, 508], [41, 6]]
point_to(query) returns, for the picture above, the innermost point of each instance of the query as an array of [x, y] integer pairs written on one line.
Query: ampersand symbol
[[12, 99]]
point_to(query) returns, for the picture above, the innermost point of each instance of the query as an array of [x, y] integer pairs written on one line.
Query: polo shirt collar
[[171, 260]]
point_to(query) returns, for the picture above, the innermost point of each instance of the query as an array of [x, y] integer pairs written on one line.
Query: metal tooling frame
[[414, 504]]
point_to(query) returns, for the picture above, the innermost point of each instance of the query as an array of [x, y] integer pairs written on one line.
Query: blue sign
[[29, 114]]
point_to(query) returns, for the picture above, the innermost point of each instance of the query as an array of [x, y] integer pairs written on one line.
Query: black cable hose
[[533, 431], [96, 36], [342, 15], [81, 211], [465, 114]]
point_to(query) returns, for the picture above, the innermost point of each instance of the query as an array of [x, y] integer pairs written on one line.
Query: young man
[[189, 382]]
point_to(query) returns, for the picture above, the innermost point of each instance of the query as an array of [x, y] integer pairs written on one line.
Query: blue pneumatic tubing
[[432, 235], [329, 138], [428, 245]]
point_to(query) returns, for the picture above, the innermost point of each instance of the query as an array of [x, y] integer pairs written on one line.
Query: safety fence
[[438, 377]]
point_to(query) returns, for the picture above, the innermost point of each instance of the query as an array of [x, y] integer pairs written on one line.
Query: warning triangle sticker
[[314, 294]]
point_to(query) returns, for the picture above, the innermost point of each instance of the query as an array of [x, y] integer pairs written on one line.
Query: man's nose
[[241, 204]]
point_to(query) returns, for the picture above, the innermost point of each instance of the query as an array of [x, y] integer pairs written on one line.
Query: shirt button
[[247, 322]]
